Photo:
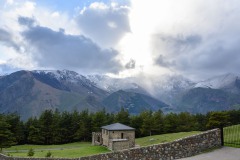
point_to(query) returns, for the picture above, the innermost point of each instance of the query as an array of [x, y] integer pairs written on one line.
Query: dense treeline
[[53, 127]]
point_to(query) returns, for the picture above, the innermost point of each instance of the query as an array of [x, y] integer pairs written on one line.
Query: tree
[[201, 122], [67, 134], [136, 122], [99, 120], [84, 129], [147, 127], [17, 127], [33, 131], [46, 124], [218, 120], [6, 136], [158, 122], [170, 123], [123, 117], [186, 122]]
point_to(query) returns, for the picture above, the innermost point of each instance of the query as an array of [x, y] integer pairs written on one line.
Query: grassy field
[[145, 141], [71, 150], [232, 136], [74, 150]]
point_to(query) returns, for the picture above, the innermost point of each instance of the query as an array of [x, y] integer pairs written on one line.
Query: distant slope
[[133, 102], [203, 100]]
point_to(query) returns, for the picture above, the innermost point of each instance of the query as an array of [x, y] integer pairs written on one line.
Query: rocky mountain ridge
[[30, 92]]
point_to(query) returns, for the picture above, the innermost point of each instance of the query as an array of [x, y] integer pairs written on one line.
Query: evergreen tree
[[136, 122], [99, 119], [170, 123], [123, 117], [17, 127], [186, 122], [66, 135], [56, 134], [84, 130], [6, 136], [147, 127], [46, 126], [218, 119], [34, 132], [158, 122]]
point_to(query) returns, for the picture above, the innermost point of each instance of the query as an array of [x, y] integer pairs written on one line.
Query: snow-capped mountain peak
[[218, 82], [66, 75]]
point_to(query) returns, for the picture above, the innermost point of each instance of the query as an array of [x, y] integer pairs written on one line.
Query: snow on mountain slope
[[114, 84], [65, 75], [218, 82]]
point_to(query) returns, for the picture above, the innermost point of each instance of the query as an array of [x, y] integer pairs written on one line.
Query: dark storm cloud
[[105, 24], [7, 39], [131, 64], [26, 21], [162, 61], [55, 49], [177, 44], [197, 56]]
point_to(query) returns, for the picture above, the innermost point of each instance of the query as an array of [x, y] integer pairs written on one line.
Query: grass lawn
[[145, 141], [71, 150], [80, 149], [232, 136]]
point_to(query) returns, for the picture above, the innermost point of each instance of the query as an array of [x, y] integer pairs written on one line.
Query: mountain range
[[30, 92]]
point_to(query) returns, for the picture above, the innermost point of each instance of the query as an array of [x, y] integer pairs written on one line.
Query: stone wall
[[181, 148], [105, 137], [130, 135], [119, 145], [97, 138]]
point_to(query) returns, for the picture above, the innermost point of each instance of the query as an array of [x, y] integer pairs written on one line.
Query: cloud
[[197, 39], [105, 24], [55, 49], [7, 39], [6, 69], [131, 64], [26, 21]]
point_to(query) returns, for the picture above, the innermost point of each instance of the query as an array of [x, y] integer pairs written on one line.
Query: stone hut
[[116, 136]]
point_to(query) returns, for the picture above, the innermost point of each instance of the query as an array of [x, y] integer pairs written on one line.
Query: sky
[[122, 38]]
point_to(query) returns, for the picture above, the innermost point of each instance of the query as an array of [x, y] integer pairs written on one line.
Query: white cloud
[[105, 24], [195, 38]]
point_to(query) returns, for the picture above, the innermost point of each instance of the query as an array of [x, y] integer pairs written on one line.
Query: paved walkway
[[225, 153]]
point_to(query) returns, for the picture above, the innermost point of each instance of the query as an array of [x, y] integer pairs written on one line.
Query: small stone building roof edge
[[117, 127]]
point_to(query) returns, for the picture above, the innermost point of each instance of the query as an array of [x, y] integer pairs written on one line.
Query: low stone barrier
[[181, 148]]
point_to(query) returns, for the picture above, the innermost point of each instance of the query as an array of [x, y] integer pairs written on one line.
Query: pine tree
[[46, 126], [123, 117], [6, 136]]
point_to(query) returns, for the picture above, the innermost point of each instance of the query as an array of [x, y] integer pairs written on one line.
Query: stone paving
[[225, 153]]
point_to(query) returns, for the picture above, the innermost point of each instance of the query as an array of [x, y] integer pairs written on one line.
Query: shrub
[[49, 154], [30, 152]]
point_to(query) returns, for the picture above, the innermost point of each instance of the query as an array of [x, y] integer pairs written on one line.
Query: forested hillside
[[53, 127]]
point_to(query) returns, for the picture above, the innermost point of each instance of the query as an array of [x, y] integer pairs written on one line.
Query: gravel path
[[225, 153]]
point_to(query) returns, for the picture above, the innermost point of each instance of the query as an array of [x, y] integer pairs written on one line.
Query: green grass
[[150, 140], [71, 150], [232, 136], [80, 149]]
